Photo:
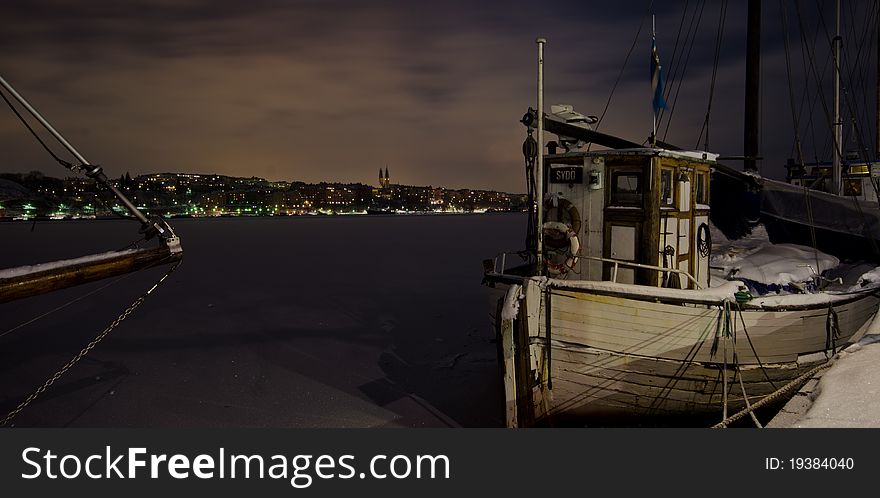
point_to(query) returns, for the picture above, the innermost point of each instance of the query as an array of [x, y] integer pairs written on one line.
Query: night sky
[[334, 90]]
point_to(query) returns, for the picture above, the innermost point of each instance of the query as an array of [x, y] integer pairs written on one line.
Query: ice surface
[[312, 321]]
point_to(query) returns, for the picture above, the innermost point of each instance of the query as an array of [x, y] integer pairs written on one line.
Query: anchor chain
[[84, 351]]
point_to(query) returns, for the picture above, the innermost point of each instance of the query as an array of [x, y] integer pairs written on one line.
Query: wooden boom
[[27, 281]]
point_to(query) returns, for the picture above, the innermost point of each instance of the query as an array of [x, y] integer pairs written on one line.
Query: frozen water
[[301, 321]]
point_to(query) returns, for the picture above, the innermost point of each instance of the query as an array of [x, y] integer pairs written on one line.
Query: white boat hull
[[624, 352]]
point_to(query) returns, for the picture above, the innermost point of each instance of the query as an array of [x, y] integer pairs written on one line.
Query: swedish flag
[[656, 78]]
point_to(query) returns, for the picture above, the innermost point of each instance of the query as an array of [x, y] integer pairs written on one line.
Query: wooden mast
[[836, 123], [751, 121]]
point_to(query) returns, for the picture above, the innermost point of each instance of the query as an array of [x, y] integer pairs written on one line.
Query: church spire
[[384, 181]]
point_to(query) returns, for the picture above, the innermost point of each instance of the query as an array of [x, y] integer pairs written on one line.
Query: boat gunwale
[[842, 298]]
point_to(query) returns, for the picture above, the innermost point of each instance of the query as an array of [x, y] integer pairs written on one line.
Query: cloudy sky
[[335, 89]]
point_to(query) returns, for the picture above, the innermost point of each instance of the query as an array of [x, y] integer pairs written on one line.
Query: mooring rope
[[772, 396]]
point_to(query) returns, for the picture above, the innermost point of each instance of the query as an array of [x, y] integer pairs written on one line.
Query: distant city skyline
[[32, 195], [332, 90]]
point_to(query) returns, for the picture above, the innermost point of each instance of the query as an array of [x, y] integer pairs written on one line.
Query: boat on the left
[[159, 244]]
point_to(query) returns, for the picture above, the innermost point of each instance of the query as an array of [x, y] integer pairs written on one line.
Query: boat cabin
[[858, 180], [633, 213]]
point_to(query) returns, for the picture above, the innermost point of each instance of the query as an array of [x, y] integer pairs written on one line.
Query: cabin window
[[666, 198], [852, 187], [626, 188], [702, 192]]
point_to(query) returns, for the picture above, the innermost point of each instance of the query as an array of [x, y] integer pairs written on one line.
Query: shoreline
[[262, 216]]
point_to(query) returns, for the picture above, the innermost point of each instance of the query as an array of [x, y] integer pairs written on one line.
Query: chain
[[84, 351]]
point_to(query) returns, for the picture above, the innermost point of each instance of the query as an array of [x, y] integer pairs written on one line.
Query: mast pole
[[877, 110], [751, 121], [836, 125], [539, 174], [654, 113]]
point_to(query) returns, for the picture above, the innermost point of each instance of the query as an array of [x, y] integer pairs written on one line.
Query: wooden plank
[[31, 281]]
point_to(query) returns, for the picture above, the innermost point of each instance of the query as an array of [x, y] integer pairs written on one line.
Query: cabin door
[[624, 221]]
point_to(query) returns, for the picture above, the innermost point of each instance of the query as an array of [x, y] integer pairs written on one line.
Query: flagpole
[[653, 109]]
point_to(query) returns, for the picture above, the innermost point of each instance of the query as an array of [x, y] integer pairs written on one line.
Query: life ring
[[560, 259], [561, 210]]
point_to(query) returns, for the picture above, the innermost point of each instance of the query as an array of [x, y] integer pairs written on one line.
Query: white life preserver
[[560, 260]]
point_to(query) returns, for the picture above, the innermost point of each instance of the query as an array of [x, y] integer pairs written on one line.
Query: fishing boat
[[159, 245], [614, 309]]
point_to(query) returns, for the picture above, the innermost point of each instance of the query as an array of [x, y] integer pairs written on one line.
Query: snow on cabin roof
[[694, 155]]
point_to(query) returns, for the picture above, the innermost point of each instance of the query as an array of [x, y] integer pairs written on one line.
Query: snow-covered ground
[[849, 392]]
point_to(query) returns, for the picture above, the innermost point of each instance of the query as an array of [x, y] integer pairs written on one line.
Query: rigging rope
[[746, 396], [679, 82], [625, 62], [65, 305], [839, 146], [812, 67], [828, 118], [675, 60], [867, 36], [737, 373], [752, 346], [797, 136], [530, 153], [794, 116], [720, 35], [24, 121]]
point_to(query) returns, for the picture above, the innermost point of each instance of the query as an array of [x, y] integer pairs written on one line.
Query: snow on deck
[[755, 258], [783, 272], [29, 269]]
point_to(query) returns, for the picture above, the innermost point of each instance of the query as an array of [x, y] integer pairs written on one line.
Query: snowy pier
[[845, 395]]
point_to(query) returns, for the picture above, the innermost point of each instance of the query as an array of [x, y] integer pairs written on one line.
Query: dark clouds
[[335, 89]]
